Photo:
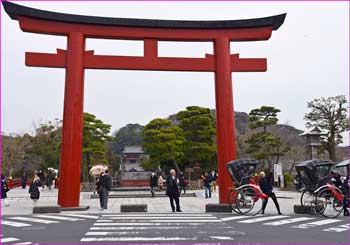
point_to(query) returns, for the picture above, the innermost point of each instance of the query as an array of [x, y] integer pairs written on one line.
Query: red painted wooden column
[[225, 134], [69, 188]]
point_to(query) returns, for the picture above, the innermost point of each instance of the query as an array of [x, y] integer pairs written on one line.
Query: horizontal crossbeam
[[149, 62]]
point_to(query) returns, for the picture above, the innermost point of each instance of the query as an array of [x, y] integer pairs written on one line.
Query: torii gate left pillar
[[75, 60]]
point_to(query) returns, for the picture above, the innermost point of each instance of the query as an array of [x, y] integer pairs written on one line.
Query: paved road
[[172, 228]]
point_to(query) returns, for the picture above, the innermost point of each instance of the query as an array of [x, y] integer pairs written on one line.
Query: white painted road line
[[339, 228], [57, 217], [249, 221], [167, 218], [111, 233], [23, 243], [288, 221], [81, 216], [142, 228], [184, 221], [235, 217], [142, 224], [221, 237], [156, 215], [135, 239], [10, 239], [316, 223], [104, 220], [43, 221], [14, 224]]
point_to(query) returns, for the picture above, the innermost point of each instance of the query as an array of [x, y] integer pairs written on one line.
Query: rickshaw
[[319, 192], [245, 194]]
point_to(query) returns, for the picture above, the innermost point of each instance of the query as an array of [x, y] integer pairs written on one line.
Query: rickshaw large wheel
[[307, 199], [248, 202], [232, 201], [327, 204]]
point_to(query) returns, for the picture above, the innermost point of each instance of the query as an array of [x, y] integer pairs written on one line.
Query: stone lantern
[[313, 140]]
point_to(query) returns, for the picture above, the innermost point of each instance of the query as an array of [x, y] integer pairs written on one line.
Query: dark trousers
[[274, 198], [103, 198], [207, 191], [177, 201], [182, 187]]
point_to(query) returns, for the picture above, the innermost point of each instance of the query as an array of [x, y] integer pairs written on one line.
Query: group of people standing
[[156, 183], [39, 180]]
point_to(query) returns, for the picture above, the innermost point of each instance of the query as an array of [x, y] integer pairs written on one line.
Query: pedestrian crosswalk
[[299, 222], [26, 221], [11, 240], [154, 228]]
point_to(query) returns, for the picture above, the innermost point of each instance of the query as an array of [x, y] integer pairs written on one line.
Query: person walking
[[207, 180], [104, 185], [346, 202], [153, 182], [172, 191], [160, 182], [34, 189], [24, 180], [214, 176], [182, 182], [266, 187], [49, 179], [42, 179], [4, 190]]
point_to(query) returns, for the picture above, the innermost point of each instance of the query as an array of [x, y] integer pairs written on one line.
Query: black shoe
[[279, 213], [179, 210], [262, 212], [173, 211]]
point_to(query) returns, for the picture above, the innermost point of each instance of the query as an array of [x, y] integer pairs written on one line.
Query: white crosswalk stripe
[[316, 223], [12, 240], [14, 224], [339, 228], [136, 227], [235, 217], [288, 221], [135, 239], [255, 220], [43, 221], [84, 216], [58, 217], [156, 217]]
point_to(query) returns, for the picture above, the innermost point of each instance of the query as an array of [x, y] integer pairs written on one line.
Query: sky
[[307, 58]]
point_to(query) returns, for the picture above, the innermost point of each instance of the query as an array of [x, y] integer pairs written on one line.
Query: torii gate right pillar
[[225, 129]]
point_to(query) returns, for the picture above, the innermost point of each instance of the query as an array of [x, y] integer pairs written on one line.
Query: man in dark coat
[[153, 182], [266, 187], [4, 190], [182, 182], [207, 181], [172, 190], [24, 180], [346, 203]]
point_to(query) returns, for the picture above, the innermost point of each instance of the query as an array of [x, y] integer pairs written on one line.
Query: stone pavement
[[21, 204]]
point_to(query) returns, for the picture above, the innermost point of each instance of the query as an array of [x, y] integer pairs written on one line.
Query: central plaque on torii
[[75, 59]]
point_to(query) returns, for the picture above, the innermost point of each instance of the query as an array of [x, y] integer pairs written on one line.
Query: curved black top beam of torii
[[15, 10]]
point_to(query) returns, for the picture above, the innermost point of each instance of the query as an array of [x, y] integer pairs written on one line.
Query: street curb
[[80, 208], [126, 208], [217, 208], [47, 209]]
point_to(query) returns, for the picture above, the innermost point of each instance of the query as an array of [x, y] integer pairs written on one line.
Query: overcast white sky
[[308, 57]]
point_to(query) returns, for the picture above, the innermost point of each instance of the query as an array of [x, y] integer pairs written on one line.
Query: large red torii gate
[[76, 59]]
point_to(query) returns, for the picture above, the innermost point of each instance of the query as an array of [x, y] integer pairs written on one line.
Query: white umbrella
[[97, 170]]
